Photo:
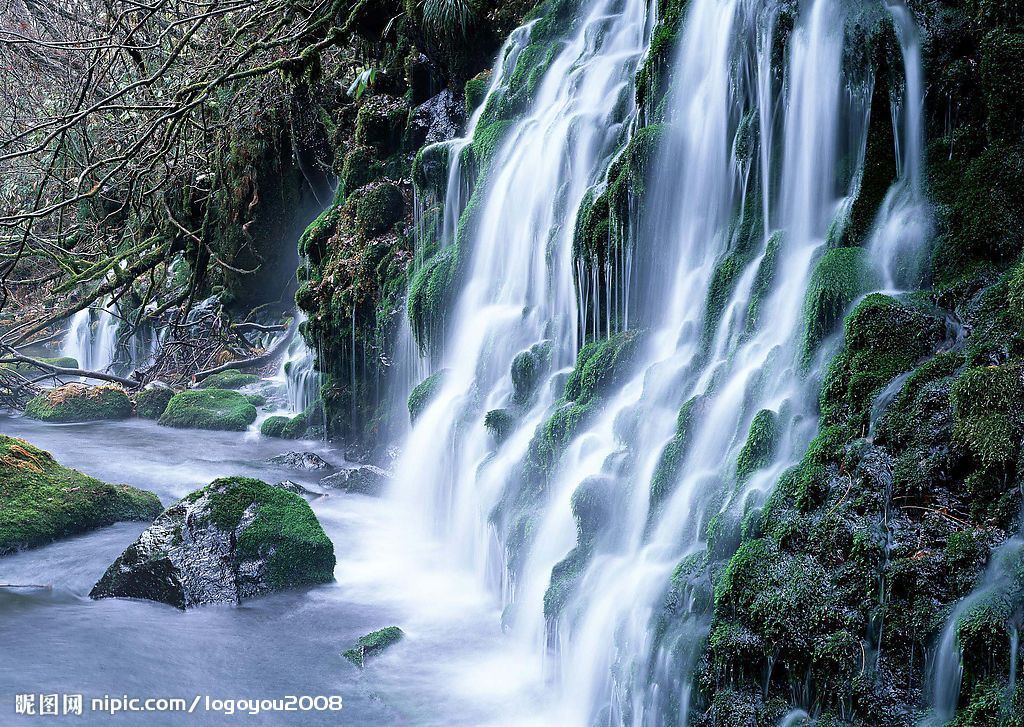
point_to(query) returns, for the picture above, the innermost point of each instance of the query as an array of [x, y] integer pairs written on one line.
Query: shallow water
[[57, 640]]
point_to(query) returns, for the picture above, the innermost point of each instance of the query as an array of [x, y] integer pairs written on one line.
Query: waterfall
[[298, 371], [904, 222], [739, 209], [92, 337]]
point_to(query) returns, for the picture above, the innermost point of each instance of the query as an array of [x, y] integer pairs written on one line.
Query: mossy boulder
[[209, 409], [373, 643], [235, 538], [380, 123], [839, 277], [377, 207], [424, 392], [151, 403], [41, 501], [80, 403], [230, 379]]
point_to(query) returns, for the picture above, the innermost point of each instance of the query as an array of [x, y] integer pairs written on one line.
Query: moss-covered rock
[[209, 409], [373, 643], [424, 392], [229, 379], [80, 403], [839, 277], [759, 448], [150, 403], [234, 539], [40, 500]]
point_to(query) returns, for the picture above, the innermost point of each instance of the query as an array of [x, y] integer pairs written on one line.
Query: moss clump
[[209, 409], [285, 532], [667, 471], [424, 393], [760, 446], [763, 282], [274, 426], [527, 369], [839, 277], [883, 338], [430, 292], [373, 643], [500, 423], [41, 501], [377, 208], [150, 403], [380, 122], [476, 91], [230, 379], [988, 405], [80, 403]]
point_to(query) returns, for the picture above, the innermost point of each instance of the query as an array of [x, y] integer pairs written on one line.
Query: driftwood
[[260, 360], [258, 327], [14, 357]]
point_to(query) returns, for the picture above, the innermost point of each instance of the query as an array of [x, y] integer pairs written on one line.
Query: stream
[[448, 670]]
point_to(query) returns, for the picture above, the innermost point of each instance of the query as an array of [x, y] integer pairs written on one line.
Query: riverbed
[[454, 667]]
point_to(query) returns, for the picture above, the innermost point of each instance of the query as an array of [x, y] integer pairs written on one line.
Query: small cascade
[[999, 598], [904, 222], [298, 371], [92, 337]]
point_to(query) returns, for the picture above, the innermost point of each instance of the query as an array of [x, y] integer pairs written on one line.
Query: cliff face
[[833, 593]]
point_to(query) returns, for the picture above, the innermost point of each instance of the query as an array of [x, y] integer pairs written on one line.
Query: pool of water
[[454, 667]]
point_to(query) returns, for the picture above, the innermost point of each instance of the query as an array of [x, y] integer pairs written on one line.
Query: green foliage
[[528, 368], [500, 423], [373, 643], [41, 501], [667, 472], [209, 409], [229, 379], [80, 403], [424, 392], [763, 282], [150, 403], [476, 90]]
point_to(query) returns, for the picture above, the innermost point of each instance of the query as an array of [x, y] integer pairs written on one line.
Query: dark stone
[[300, 490], [437, 119], [234, 539], [363, 480], [306, 461]]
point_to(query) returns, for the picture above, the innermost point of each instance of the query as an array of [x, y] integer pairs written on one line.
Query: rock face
[[364, 480], [305, 461], [80, 403], [41, 501], [209, 409], [234, 539]]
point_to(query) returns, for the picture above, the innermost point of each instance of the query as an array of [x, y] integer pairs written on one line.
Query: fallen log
[[263, 358]]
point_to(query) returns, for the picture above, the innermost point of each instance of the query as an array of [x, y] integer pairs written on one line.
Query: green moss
[[988, 403], [430, 292], [424, 392], [500, 423], [373, 643], [150, 403], [763, 282], [377, 208], [229, 379], [209, 409], [667, 472], [760, 446], [359, 168], [838, 278], [284, 531], [476, 90], [380, 122], [298, 426], [273, 426], [41, 501], [528, 368], [80, 403]]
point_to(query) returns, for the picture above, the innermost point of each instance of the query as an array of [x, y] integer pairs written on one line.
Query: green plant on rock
[[80, 403], [839, 277], [758, 450], [373, 643], [424, 392], [229, 379], [209, 409], [150, 403]]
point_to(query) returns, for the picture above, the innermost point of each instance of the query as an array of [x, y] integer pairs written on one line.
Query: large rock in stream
[[234, 539], [80, 403], [363, 480], [41, 501]]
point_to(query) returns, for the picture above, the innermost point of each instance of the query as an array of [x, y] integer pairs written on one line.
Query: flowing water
[[92, 338], [298, 371]]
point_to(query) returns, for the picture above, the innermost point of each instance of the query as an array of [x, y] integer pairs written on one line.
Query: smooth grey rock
[[305, 461], [364, 480], [299, 489]]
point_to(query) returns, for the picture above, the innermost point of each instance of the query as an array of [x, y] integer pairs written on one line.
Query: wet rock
[[305, 461], [364, 480], [300, 490], [151, 402], [234, 539], [373, 643], [437, 119], [209, 409]]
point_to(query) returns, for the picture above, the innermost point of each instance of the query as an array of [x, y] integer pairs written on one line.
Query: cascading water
[[298, 371], [92, 338], [739, 210], [1002, 586], [519, 290]]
